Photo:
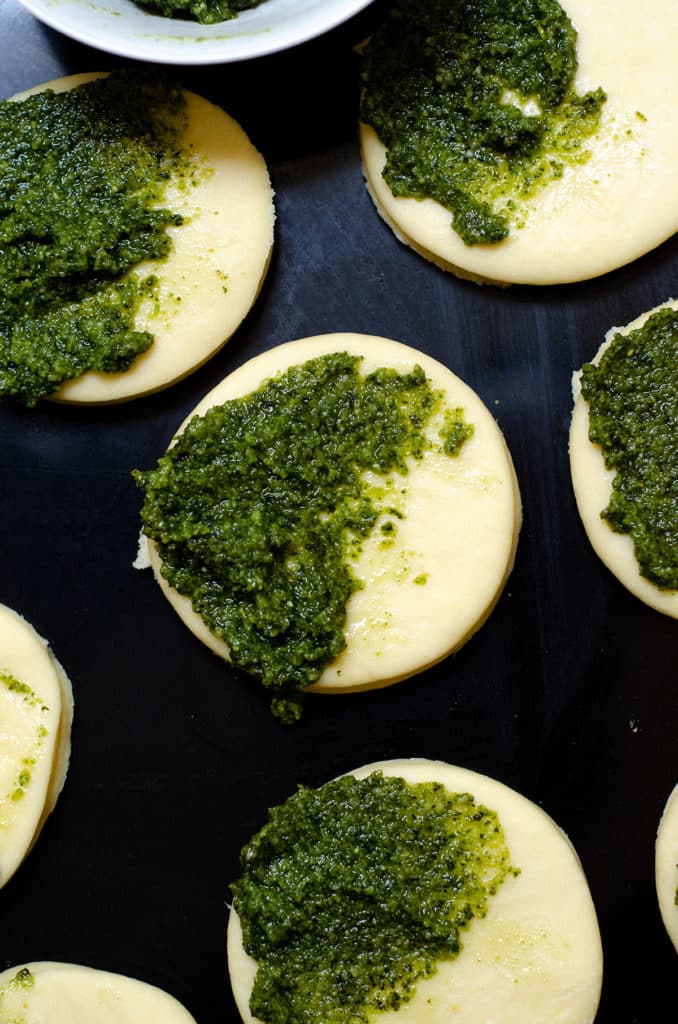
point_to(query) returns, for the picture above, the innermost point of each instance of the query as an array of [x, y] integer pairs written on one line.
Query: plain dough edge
[[346, 673], [218, 264], [74, 994], [612, 210], [666, 866], [592, 485], [52, 774], [505, 968]]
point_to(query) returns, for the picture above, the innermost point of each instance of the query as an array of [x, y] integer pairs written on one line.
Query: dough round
[[212, 276], [592, 484], [463, 516], [666, 866], [599, 216], [535, 956], [35, 737], [54, 993]]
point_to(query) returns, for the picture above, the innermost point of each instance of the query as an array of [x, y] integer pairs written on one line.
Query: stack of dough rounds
[[212, 275], [592, 483], [666, 866], [619, 205], [460, 529], [54, 993], [535, 956], [36, 711]]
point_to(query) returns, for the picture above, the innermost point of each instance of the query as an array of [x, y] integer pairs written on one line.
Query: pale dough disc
[[592, 484], [213, 274], [613, 209], [35, 737], [666, 866], [463, 516], [70, 994], [535, 957]]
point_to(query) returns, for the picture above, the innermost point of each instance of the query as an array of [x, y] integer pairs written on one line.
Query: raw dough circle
[[536, 955], [461, 528], [70, 994], [597, 217], [217, 265], [35, 734], [592, 484], [666, 866]]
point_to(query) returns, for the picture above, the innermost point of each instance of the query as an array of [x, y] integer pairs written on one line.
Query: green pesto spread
[[351, 894], [261, 503], [204, 11], [633, 415], [475, 103], [83, 174]]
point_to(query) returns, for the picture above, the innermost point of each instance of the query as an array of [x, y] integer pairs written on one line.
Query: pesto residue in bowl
[[83, 175], [476, 105], [258, 507], [633, 415], [206, 12], [351, 894]]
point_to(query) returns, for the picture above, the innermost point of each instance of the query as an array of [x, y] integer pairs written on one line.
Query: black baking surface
[[567, 693]]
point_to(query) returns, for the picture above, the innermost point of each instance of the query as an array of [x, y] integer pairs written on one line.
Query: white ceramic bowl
[[124, 28]]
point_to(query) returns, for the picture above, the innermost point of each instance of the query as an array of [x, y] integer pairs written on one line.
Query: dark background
[[568, 693]]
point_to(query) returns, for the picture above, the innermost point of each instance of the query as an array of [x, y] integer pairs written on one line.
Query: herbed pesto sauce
[[259, 505], [633, 415], [352, 893], [475, 104], [82, 179]]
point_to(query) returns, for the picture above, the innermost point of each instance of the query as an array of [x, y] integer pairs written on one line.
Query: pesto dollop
[[204, 11], [476, 106], [633, 415], [83, 175], [351, 894], [261, 503]]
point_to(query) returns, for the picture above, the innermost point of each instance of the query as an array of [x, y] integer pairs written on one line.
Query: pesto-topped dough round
[[215, 268], [601, 214], [36, 711], [666, 866], [536, 955], [592, 483], [56, 993], [429, 587]]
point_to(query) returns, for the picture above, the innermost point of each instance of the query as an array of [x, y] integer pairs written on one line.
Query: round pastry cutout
[[56, 993], [666, 867], [608, 206], [593, 485], [220, 231], [36, 711], [535, 954], [441, 536]]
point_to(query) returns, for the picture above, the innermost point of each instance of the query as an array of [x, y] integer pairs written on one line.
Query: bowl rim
[[211, 46]]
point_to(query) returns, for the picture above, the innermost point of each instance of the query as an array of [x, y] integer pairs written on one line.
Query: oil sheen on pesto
[[259, 506], [82, 181], [633, 414], [204, 11], [351, 894], [475, 103]]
